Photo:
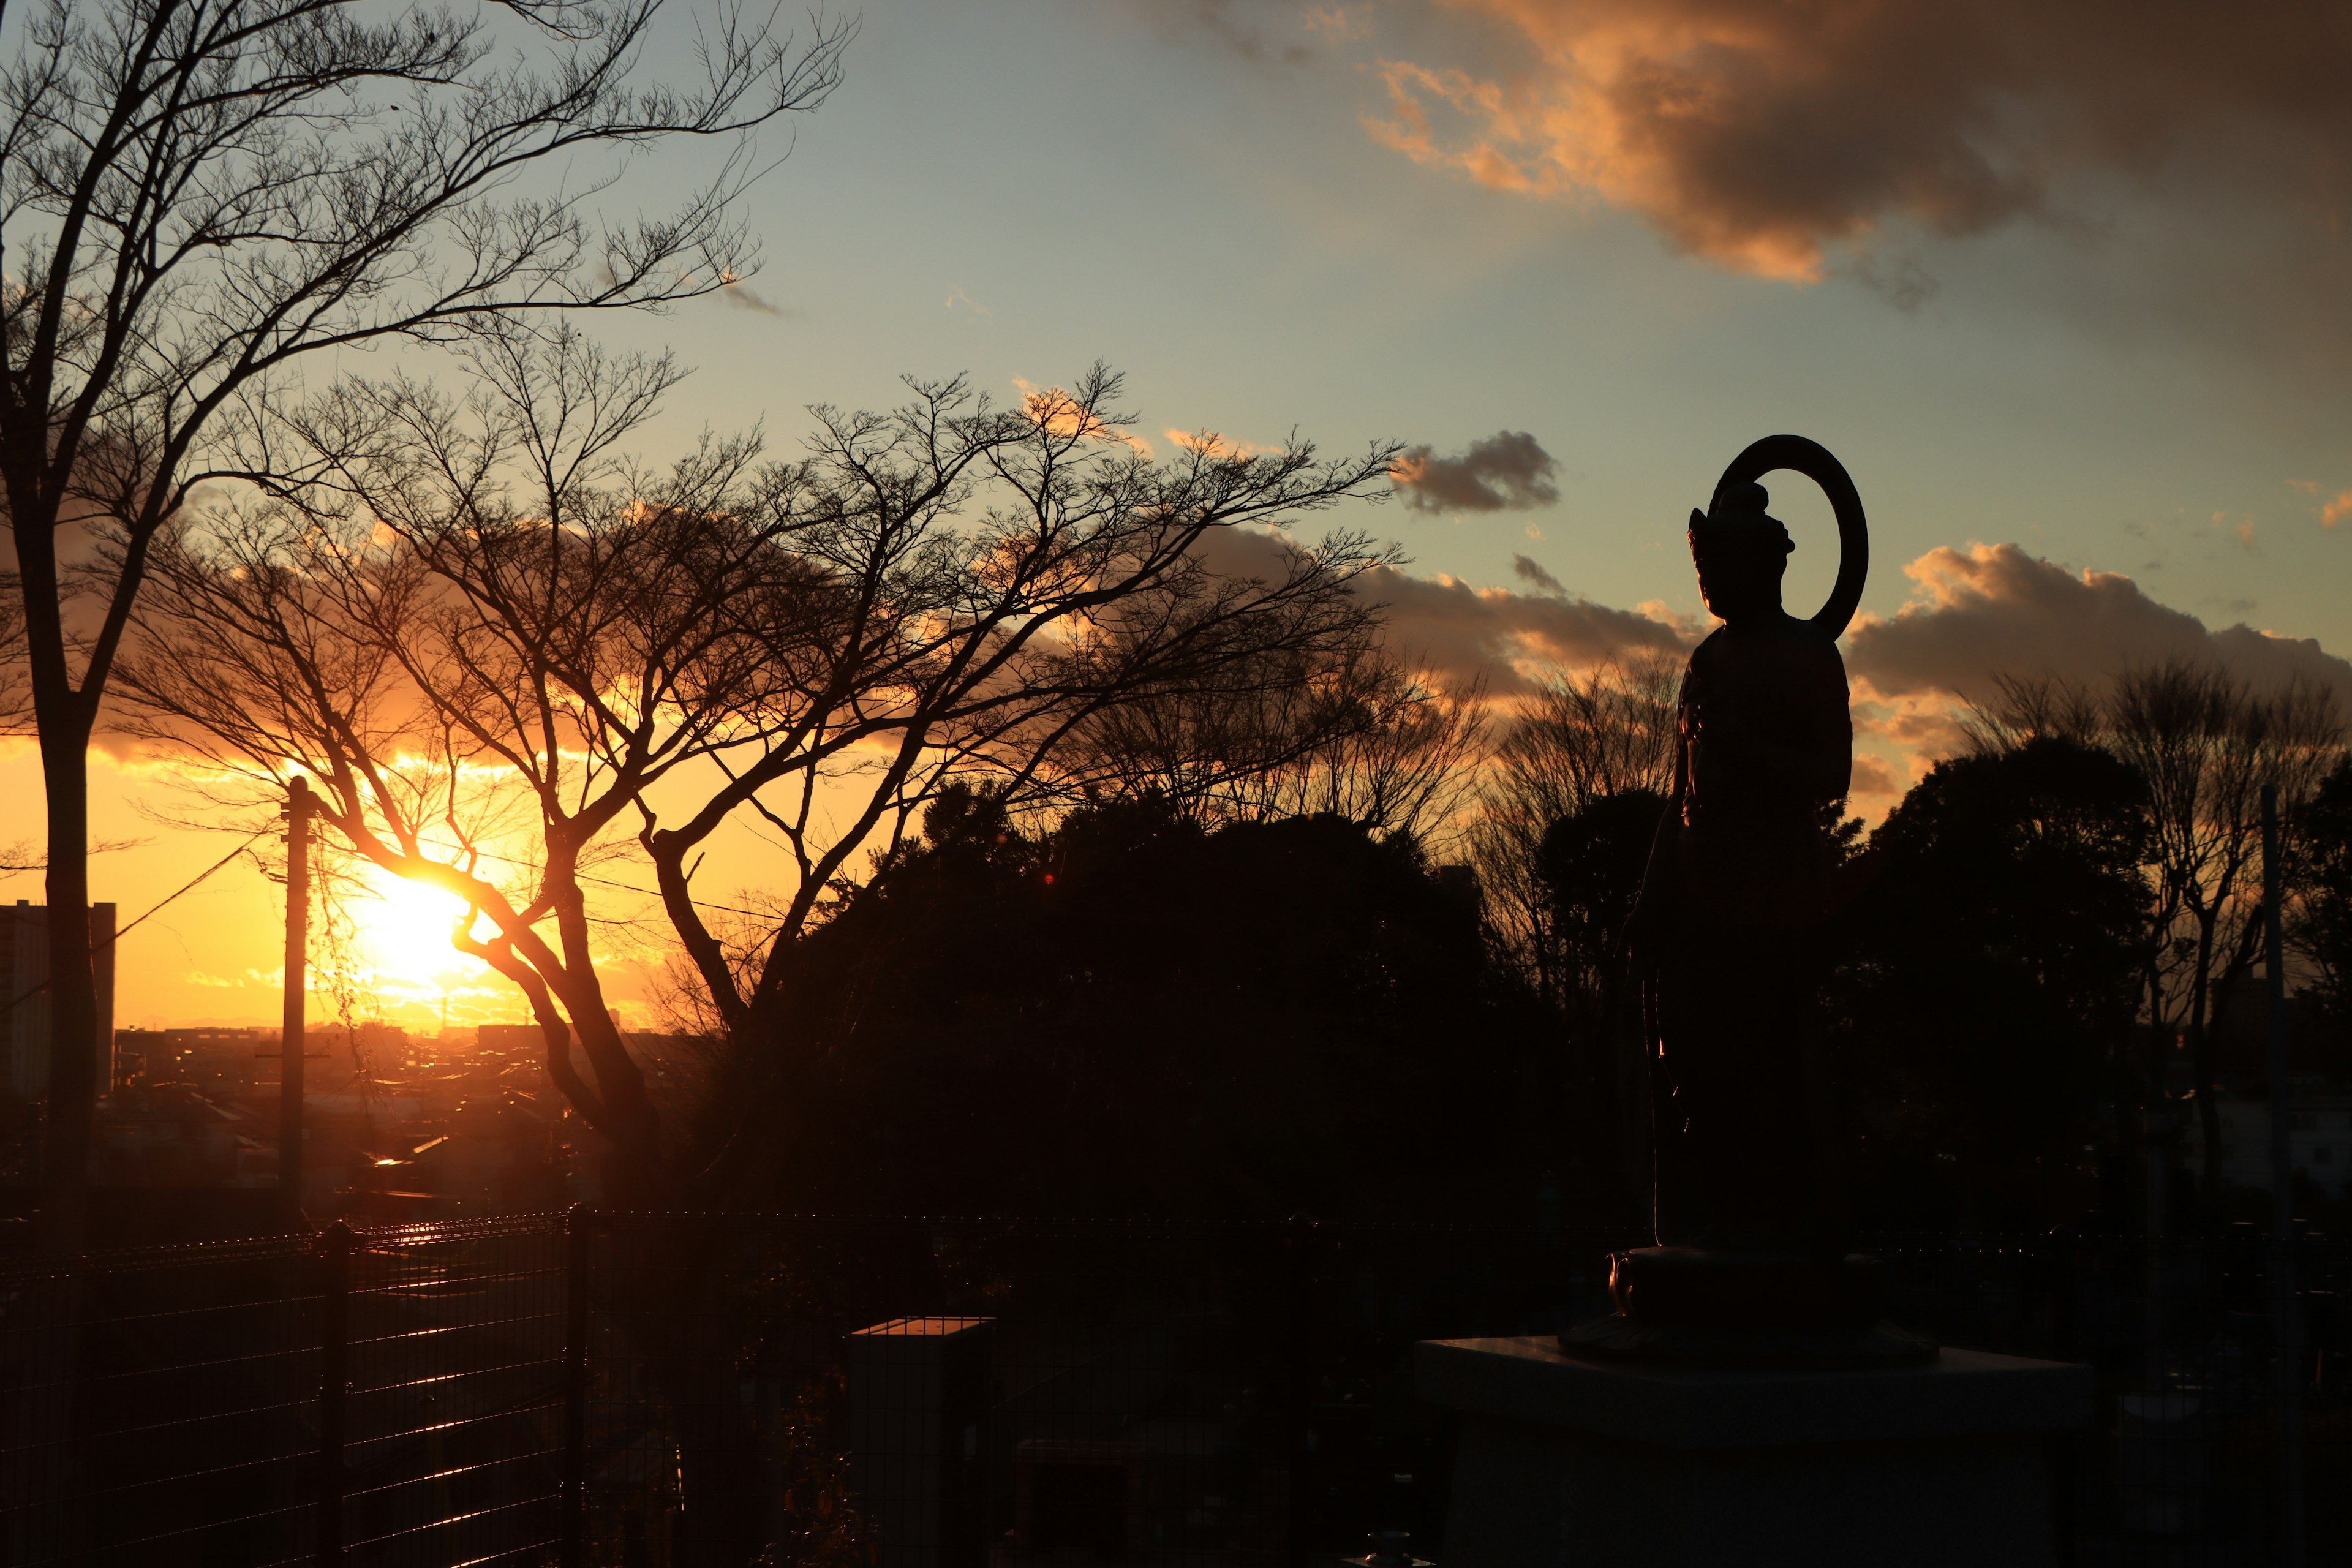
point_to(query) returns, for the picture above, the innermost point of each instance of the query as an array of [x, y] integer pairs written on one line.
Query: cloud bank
[[1528, 569], [1460, 633], [1992, 609], [1508, 471], [1975, 614]]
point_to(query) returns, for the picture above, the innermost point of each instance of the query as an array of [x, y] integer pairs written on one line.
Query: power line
[[122, 931], [193, 882], [629, 888]]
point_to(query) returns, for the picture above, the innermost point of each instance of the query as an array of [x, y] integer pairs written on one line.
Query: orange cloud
[[1053, 408], [2336, 511], [1509, 470], [1871, 775], [1209, 444], [1763, 134], [1992, 609], [1975, 614]]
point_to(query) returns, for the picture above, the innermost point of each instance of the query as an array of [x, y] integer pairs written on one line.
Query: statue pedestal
[[1565, 1461]]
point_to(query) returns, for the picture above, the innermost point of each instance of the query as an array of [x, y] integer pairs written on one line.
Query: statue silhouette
[[1751, 1262], [1737, 883]]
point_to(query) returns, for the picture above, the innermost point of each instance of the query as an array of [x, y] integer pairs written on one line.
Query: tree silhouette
[[1134, 1013], [1988, 981], [1573, 740], [499, 648], [2204, 745], [1589, 867], [200, 198], [2320, 924]]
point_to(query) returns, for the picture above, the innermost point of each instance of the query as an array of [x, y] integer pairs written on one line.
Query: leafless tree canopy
[[2205, 744], [1351, 734], [488, 635], [197, 197], [1575, 740], [2026, 708]]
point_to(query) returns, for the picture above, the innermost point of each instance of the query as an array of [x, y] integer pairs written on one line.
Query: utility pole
[[2286, 1303], [290, 1048]]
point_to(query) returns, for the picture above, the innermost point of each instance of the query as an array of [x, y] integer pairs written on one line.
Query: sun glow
[[405, 932]]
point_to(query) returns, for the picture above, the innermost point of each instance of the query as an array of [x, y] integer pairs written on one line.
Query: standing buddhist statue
[[1751, 1264]]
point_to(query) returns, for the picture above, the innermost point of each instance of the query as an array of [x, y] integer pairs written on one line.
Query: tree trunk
[[2209, 1115], [72, 1100], [2201, 1062]]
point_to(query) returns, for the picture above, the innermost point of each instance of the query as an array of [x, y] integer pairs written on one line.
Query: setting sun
[[404, 932]]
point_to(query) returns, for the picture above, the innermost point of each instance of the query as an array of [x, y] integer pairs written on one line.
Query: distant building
[[510, 1038], [25, 964], [2319, 1141], [214, 1059]]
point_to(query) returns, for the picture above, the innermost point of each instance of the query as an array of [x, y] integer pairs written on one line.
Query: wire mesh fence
[[667, 1391], [378, 1397], [161, 1406], [452, 1427]]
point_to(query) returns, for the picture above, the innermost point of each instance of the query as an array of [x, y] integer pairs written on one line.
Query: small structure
[[24, 968], [918, 1390]]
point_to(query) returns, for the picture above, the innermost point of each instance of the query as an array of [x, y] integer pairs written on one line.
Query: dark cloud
[[1976, 613], [1249, 29], [1871, 775], [1529, 571], [1462, 632], [1508, 471], [1765, 132], [1992, 609], [739, 296]]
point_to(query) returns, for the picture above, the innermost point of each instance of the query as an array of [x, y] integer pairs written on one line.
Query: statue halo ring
[[1814, 460]]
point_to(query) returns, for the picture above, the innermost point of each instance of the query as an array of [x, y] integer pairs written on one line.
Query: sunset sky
[[2065, 288]]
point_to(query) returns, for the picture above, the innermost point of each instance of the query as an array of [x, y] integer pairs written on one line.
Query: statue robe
[[1746, 1152]]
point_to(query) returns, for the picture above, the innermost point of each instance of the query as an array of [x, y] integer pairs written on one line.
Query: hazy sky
[[2064, 287]]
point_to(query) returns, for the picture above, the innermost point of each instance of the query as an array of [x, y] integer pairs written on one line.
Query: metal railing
[[385, 1397], [667, 1391]]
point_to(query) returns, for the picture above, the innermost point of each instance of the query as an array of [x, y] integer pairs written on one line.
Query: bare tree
[[2033, 707], [2206, 744], [1573, 741], [1357, 736], [1407, 767], [480, 628], [200, 196], [2319, 917], [483, 631], [504, 653], [1570, 801]]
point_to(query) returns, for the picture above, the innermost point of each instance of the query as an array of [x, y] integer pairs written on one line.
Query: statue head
[[1740, 552]]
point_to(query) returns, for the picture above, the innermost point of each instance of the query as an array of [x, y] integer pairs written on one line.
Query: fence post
[[1298, 1393], [574, 1501], [2286, 1302], [334, 1379]]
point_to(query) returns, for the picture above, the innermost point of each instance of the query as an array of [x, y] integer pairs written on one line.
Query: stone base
[[1620, 1338], [1686, 1306], [1566, 1461]]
